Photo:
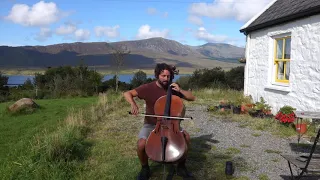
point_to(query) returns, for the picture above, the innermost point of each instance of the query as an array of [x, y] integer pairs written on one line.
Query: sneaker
[[183, 172], [144, 174]]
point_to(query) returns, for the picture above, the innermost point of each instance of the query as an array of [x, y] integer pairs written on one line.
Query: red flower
[[285, 118]]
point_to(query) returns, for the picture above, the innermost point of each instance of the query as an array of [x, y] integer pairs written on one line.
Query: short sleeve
[[142, 91], [177, 94]]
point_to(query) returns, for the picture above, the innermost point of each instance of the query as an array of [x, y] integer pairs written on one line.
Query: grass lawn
[[17, 131]]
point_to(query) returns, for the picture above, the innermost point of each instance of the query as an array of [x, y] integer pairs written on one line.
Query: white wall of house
[[303, 90]]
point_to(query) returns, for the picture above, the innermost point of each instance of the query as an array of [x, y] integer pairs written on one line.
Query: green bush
[[4, 91], [205, 78], [215, 78], [138, 79], [111, 84], [235, 78], [183, 82], [68, 81]]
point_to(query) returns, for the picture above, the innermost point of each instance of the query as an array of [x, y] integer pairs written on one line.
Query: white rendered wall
[[303, 91]]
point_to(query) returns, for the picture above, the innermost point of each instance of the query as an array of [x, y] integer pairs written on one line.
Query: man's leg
[[181, 168], [141, 152], [143, 135]]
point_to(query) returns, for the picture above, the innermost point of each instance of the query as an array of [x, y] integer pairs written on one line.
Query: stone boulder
[[23, 103]]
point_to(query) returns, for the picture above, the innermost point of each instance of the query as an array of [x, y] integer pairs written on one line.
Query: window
[[282, 58]]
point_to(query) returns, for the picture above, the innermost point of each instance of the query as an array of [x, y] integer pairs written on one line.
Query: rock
[[23, 103]]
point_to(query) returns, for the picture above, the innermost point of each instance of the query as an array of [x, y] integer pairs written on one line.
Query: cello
[[167, 143]]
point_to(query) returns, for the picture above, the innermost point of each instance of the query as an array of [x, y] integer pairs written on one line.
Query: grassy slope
[[16, 131]]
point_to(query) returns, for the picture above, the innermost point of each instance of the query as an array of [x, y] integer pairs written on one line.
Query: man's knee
[[141, 144]]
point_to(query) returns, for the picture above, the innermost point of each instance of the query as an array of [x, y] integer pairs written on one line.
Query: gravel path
[[229, 135]]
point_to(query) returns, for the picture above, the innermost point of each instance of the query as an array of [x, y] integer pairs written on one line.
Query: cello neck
[[168, 100], [169, 92]]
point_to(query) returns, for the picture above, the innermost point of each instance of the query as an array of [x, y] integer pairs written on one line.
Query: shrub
[[235, 78], [138, 79], [206, 78], [111, 84], [184, 82], [4, 90], [68, 81]]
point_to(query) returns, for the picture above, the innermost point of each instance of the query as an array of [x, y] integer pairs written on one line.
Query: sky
[[191, 22]]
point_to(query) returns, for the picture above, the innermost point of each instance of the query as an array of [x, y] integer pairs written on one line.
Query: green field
[[99, 140], [18, 131]]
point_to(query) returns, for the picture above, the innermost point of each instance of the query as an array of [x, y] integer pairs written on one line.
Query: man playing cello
[[150, 92]]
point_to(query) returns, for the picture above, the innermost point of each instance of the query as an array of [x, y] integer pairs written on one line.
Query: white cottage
[[283, 55]]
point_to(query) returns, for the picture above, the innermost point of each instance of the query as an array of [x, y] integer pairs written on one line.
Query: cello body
[[167, 143]]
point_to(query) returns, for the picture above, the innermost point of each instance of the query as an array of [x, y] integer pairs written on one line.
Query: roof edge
[[313, 11], [257, 15]]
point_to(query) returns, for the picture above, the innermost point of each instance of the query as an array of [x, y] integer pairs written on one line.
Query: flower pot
[[254, 113], [301, 128], [224, 106], [245, 107], [236, 110]]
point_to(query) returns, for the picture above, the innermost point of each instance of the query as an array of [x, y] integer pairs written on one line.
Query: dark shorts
[[147, 129]]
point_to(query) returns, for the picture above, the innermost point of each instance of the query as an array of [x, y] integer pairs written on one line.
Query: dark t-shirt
[[151, 92]]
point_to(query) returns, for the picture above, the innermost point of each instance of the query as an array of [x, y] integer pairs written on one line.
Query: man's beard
[[165, 86]]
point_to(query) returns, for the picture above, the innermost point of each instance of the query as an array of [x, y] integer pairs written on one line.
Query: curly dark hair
[[161, 67]]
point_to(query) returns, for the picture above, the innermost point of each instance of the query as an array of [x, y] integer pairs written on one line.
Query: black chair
[[307, 163]]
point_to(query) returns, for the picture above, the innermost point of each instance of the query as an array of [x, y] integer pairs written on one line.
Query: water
[[20, 79]]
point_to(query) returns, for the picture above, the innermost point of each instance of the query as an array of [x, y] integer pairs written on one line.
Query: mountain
[[143, 54], [220, 51]]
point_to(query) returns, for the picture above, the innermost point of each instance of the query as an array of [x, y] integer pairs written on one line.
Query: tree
[[118, 56], [138, 79], [4, 90], [3, 80], [235, 78]]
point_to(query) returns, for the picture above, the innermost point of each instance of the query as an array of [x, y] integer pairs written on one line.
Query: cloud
[[40, 14], [146, 32], [165, 14], [66, 29], [10, 44], [152, 11], [203, 34], [239, 10], [82, 34], [44, 34], [195, 20], [110, 32]]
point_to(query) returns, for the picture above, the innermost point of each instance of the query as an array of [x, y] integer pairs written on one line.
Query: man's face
[[164, 78]]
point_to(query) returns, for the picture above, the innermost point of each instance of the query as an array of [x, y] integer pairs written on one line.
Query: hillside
[[144, 54]]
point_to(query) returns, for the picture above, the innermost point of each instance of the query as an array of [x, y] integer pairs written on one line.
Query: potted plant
[[267, 110], [286, 115], [224, 104], [253, 112], [247, 104], [263, 108], [236, 105]]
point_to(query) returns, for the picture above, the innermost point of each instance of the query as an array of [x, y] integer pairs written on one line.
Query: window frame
[[276, 60]]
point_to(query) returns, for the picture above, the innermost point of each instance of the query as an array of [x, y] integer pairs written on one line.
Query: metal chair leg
[[292, 177]]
